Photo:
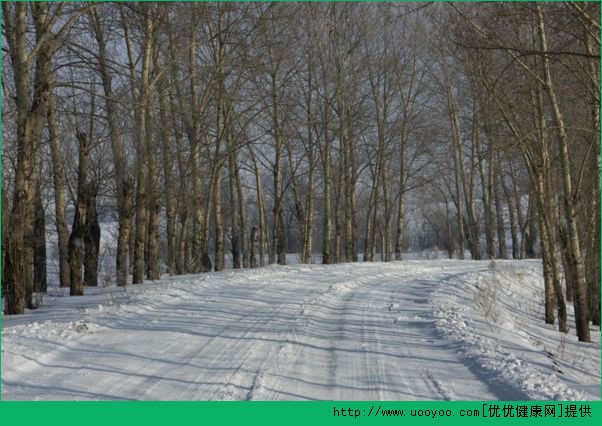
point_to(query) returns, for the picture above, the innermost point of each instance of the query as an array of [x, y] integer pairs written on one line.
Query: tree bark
[[91, 240], [153, 207], [348, 181], [254, 242], [453, 116], [401, 194], [123, 181], [491, 217], [499, 211], [521, 222], [153, 197], [512, 217], [168, 178], [78, 230], [143, 132], [235, 234], [31, 107], [200, 211], [581, 303], [567, 265], [278, 227], [242, 219], [220, 261], [592, 250], [40, 283], [261, 210], [387, 215], [469, 187], [327, 240], [5, 229], [369, 238], [531, 221], [181, 262], [58, 174], [450, 236]]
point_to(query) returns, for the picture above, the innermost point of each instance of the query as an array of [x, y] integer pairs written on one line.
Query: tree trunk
[[469, 188], [78, 230], [309, 212], [123, 182], [261, 209], [548, 237], [521, 222], [592, 250], [5, 228], [242, 218], [458, 163], [486, 202], [168, 177], [200, 252], [181, 259], [140, 235], [512, 217], [154, 209], [369, 238], [532, 218], [200, 200], [401, 194], [350, 254], [143, 132], [76, 256], [581, 303], [254, 242], [307, 248], [58, 173], [279, 244], [153, 197], [567, 265], [338, 211], [31, 117], [40, 283], [513, 227], [132, 238], [91, 240], [491, 217], [220, 261], [387, 231], [235, 234], [499, 210], [450, 236], [327, 243]]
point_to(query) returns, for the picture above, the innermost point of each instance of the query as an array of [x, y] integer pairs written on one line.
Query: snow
[[409, 330], [504, 335]]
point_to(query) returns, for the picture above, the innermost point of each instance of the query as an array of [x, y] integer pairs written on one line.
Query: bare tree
[[78, 230]]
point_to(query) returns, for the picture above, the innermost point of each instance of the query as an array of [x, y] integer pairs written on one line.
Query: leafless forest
[[229, 134]]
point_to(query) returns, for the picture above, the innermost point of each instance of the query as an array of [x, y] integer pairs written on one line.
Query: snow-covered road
[[342, 332]]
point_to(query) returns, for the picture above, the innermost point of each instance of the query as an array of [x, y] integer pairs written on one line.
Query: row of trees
[[353, 131], [536, 70]]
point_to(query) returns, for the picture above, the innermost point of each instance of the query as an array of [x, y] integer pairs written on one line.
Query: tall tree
[[32, 73]]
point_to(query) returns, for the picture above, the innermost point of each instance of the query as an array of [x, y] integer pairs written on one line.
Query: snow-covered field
[[410, 330]]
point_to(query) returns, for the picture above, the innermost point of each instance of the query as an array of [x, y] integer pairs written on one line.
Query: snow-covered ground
[[410, 330]]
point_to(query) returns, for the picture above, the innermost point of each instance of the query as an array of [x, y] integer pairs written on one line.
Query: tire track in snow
[[364, 359], [289, 352], [349, 331]]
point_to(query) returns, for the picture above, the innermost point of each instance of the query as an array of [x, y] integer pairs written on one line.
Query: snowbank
[[497, 318]]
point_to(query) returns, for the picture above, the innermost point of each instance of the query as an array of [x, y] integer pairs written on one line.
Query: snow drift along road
[[396, 331]]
